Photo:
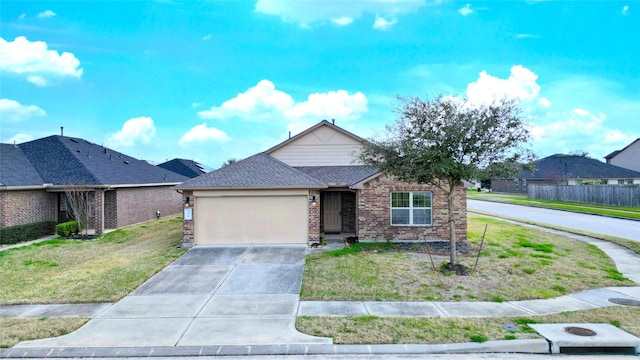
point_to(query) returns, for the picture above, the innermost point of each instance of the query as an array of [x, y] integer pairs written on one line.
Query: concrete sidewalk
[[232, 295]]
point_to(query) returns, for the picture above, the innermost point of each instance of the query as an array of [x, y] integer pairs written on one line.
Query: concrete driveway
[[222, 295]]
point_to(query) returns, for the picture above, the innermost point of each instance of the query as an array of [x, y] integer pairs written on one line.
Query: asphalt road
[[626, 229]]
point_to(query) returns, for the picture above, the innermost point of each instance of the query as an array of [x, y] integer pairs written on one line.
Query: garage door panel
[[251, 220]]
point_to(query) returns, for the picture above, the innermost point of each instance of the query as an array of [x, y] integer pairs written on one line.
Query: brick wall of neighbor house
[[188, 230], [314, 217], [136, 205], [27, 206], [374, 212], [110, 209]]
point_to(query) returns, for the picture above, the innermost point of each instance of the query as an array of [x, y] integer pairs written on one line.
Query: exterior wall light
[[313, 200]]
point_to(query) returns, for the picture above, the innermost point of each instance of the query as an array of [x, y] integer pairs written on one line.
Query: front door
[[332, 212]]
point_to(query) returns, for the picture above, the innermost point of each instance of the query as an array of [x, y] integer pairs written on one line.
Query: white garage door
[[271, 219]]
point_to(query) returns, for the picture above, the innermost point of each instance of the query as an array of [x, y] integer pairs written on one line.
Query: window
[[411, 208], [517, 184], [524, 184]]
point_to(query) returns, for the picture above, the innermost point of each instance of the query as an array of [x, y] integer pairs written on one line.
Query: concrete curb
[[531, 346]]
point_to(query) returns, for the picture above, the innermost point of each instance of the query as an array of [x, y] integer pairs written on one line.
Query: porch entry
[[338, 212], [332, 212]]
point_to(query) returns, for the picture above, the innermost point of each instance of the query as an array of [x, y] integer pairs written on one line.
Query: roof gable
[[259, 171], [323, 144]]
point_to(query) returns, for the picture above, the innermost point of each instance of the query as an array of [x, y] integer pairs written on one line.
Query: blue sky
[[215, 80]]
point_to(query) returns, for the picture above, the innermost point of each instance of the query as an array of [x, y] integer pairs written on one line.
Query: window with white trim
[[411, 208]]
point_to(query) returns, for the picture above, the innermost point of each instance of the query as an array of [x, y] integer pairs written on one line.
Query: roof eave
[[311, 129], [201, 188]]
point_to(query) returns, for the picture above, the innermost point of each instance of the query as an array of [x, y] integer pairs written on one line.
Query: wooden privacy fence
[[615, 195]]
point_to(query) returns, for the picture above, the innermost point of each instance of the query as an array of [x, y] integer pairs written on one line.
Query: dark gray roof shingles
[[339, 175], [188, 168], [573, 167], [16, 169], [259, 171], [63, 160]]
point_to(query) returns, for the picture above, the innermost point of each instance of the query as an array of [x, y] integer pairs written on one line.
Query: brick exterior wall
[[110, 209], [348, 211], [27, 206], [374, 212], [314, 217], [135, 205], [188, 232]]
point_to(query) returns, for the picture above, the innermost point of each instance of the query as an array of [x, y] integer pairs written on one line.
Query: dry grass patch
[[375, 330], [101, 270], [516, 263], [13, 330]]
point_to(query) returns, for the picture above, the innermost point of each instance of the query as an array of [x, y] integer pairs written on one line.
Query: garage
[[251, 217]]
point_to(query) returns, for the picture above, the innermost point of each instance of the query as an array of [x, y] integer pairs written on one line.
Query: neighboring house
[[567, 170], [307, 187], [33, 177], [188, 168], [628, 158]]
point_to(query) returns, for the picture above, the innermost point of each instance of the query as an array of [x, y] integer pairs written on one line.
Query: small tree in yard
[[81, 202], [444, 140]]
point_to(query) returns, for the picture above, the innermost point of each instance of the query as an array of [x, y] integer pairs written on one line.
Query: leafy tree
[[444, 140], [229, 162]]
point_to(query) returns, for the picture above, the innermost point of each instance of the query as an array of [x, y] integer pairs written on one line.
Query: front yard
[[516, 263]]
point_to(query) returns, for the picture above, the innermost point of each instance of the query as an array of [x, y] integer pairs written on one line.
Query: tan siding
[[322, 147], [629, 158]]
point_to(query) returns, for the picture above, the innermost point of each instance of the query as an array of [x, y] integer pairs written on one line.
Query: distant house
[[628, 158], [188, 168], [310, 186], [33, 176], [567, 170]]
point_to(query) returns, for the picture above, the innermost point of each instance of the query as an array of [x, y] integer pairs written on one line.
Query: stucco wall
[[135, 205], [27, 206], [374, 212]]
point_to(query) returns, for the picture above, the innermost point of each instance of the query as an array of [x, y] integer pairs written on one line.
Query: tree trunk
[[453, 257]]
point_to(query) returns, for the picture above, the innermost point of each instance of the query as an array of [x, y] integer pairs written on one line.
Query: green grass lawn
[[376, 330], [76, 271], [623, 212], [516, 263]]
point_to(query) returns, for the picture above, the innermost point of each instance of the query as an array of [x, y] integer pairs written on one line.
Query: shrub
[[68, 228], [20, 233]]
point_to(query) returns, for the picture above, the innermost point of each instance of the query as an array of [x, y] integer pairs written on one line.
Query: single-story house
[[184, 167], [307, 187], [562, 169], [628, 158], [34, 175]]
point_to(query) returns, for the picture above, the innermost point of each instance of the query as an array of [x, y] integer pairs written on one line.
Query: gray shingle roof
[[259, 171], [15, 168], [573, 166], [339, 175], [188, 168], [63, 160]]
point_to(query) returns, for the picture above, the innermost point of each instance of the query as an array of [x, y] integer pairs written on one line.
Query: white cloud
[[20, 138], [195, 104], [33, 59], [202, 133], [134, 130], [527, 36], [465, 10], [265, 103], [521, 84], [307, 13], [570, 131], [383, 24], [11, 110], [22, 16], [207, 37], [46, 14], [544, 102], [253, 104], [625, 10], [342, 21]]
